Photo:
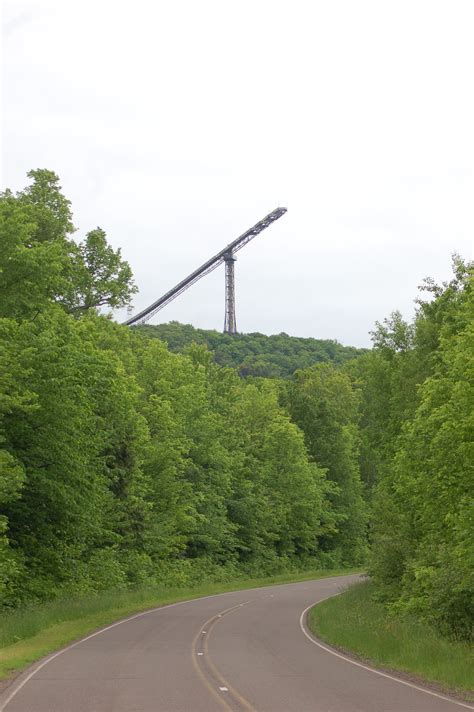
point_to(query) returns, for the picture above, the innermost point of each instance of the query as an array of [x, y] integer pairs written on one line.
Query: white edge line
[[366, 667], [50, 658]]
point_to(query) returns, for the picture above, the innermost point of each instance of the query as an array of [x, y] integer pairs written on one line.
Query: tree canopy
[[277, 356], [41, 264], [124, 460]]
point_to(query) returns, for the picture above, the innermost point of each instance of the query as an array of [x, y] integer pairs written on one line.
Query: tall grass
[[356, 622], [25, 623]]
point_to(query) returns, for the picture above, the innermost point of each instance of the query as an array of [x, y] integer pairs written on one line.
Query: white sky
[[176, 125]]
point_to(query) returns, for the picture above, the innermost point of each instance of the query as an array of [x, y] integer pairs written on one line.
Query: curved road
[[247, 651]]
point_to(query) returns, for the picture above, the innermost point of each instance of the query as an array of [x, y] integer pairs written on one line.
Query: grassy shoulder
[[28, 635], [355, 622]]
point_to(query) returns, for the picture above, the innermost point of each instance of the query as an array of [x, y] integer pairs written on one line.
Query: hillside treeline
[[417, 455], [277, 356], [123, 463]]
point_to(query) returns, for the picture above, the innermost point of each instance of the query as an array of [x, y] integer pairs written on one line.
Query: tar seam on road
[[223, 685], [305, 630]]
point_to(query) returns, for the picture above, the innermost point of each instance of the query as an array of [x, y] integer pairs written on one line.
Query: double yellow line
[[201, 645]]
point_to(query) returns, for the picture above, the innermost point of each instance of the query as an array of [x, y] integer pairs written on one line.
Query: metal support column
[[230, 325], [225, 255]]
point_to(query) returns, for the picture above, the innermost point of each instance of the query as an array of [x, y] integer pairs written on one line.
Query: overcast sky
[[176, 125]]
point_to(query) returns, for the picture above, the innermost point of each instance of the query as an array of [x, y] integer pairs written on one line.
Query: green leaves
[[99, 276], [324, 404], [254, 355], [40, 264], [32, 270], [426, 492]]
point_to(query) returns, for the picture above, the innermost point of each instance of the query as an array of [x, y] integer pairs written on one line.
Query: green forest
[[126, 461], [277, 356]]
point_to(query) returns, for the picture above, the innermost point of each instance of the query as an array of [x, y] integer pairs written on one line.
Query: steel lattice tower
[[227, 256], [230, 324]]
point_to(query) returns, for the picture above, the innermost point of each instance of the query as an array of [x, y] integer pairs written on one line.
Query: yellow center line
[[203, 636]]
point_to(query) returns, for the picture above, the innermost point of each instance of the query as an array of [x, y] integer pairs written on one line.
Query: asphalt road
[[242, 652]]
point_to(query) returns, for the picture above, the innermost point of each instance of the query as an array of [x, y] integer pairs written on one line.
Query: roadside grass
[[355, 622], [29, 634]]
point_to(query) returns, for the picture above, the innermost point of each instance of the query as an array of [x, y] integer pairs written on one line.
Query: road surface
[[248, 651]]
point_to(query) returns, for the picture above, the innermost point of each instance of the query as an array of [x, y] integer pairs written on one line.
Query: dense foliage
[[120, 461], [123, 461], [324, 404], [277, 356], [417, 460]]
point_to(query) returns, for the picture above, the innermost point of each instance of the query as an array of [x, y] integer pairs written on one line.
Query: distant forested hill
[[254, 354]]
